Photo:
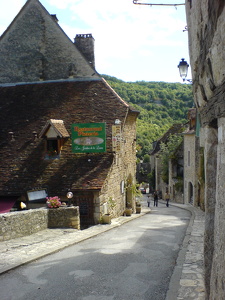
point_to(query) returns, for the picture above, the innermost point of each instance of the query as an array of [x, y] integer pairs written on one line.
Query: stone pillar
[[210, 153], [217, 287]]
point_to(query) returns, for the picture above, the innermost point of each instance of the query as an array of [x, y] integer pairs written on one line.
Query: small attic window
[[55, 134], [52, 147]]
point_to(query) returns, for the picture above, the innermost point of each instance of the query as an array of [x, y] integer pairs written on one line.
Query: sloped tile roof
[[175, 128], [27, 108], [58, 126]]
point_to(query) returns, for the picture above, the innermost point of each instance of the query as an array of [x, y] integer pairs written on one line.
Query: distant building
[[193, 185], [160, 184]]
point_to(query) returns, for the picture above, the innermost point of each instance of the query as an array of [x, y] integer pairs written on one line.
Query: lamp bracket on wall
[[152, 4]]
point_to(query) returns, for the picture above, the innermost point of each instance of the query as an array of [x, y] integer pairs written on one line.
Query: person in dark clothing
[[156, 198]]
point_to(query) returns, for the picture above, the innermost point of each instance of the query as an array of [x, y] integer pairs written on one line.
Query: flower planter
[[106, 219], [138, 209], [128, 211]]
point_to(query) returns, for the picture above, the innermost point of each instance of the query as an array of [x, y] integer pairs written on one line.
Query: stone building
[[205, 24], [50, 91], [192, 182], [176, 170], [155, 161]]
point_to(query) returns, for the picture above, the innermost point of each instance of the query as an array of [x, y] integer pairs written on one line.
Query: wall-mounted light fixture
[[69, 196], [117, 122], [183, 69]]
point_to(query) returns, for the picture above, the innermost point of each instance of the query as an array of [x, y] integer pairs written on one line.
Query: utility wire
[[151, 4]]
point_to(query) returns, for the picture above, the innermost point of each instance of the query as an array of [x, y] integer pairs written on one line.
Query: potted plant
[[128, 209], [107, 218], [53, 202], [138, 207]]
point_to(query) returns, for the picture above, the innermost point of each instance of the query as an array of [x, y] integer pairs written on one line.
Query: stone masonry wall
[[122, 170], [35, 42], [206, 25], [22, 223], [190, 167]]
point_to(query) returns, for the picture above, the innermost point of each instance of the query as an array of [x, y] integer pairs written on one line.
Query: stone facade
[[156, 164], [176, 166], [122, 173], [190, 173], [192, 182], [34, 48], [17, 224], [206, 23]]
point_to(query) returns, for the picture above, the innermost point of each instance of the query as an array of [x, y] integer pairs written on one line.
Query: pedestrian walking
[[148, 200], [167, 198], [156, 198]]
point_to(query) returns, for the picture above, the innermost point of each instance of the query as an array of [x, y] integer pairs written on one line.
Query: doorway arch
[[190, 193]]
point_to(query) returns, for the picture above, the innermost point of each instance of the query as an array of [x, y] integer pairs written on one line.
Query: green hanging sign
[[88, 138]]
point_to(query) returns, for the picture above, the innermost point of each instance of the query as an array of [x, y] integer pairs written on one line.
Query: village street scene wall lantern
[[183, 69], [69, 196], [117, 122]]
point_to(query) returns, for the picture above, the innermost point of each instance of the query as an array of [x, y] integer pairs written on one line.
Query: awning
[[6, 204]]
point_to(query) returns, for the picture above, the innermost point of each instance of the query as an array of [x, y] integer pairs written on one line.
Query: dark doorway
[[85, 201], [190, 193]]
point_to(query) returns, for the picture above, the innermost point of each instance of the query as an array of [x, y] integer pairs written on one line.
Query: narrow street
[[134, 261]]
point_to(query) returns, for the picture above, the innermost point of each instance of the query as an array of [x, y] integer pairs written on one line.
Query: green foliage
[[161, 105], [146, 158], [179, 185], [167, 152], [151, 179]]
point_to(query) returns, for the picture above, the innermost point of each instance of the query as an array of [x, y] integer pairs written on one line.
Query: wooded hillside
[[161, 104]]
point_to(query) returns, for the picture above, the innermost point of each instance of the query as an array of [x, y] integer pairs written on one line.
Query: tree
[[167, 151]]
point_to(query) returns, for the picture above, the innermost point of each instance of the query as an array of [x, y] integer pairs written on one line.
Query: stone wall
[[21, 223], [67, 217], [206, 23], [121, 174], [190, 169]]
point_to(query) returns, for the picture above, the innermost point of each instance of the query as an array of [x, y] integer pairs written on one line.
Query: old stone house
[[50, 91], [205, 23], [193, 183], [175, 174], [174, 167]]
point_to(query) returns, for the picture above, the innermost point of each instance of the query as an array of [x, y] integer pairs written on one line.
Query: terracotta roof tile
[[27, 108]]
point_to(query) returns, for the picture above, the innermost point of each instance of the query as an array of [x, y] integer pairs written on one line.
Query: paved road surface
[[134, 261]]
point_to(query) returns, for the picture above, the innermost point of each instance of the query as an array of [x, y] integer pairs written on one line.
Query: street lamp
[[183, 69], [69, 196]]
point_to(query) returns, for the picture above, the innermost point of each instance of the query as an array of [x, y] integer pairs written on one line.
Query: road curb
[[174, 285]]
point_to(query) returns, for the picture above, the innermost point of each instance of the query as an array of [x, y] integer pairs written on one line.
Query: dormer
[[55, 135]]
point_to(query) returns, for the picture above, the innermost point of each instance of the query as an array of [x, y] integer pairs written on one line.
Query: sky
[[132, 42]]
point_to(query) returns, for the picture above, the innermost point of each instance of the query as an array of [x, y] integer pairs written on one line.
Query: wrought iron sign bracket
[[154, 4]]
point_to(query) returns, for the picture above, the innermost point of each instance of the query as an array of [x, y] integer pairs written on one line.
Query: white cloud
[[9, 9]]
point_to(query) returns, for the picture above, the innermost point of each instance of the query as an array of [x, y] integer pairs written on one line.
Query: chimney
[[54, 17], [85, 43]]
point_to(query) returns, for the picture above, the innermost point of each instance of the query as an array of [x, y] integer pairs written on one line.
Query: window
[[55, 134], [52, 147], [189, 158]]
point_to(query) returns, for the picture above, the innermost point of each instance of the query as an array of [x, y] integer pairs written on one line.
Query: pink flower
[[53, 202]]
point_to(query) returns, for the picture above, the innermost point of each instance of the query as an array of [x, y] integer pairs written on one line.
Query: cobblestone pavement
[[187, 281], [192, 278]]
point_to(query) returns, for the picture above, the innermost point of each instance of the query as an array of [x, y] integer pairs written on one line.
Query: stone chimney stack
[[85, 43], [54, 17]]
